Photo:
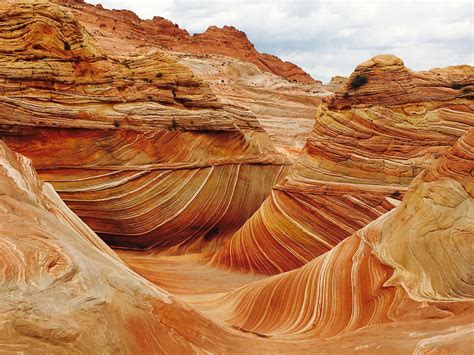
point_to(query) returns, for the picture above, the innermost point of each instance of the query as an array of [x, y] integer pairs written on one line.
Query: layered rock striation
[[162, 33], [285, 110], [137, 146], [63, 290], [227, 61], [367, 145], [409, 268]]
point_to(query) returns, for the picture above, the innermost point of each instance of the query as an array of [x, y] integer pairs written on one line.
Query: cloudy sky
[[328, 38]]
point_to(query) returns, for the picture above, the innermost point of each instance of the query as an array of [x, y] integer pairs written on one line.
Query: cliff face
[[357, 163], [137, 146], [162, 33]]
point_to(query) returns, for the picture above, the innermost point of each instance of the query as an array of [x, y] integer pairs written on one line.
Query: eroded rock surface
[[168, 151], [62, 289], [137, 146], [162, 33], [409, 267], [364, 150]]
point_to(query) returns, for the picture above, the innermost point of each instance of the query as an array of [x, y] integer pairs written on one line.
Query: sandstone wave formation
[[281, 96], [137, 146], [367, 145], [393, 270], [63, 289], [367, 294], [177, 151]]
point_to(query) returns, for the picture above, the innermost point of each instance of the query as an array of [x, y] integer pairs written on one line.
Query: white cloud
[[328, 38]]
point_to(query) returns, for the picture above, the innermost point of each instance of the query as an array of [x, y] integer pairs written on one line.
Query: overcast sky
[[328, 38]]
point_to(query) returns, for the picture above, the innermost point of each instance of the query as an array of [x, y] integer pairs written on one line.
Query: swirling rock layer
[[412, 263], [356, 165], [148, 156], [137, 146], [63, 290], [398, 285], [285, 110]]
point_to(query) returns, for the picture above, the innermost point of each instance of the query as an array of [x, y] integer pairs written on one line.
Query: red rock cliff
[[160, 32]]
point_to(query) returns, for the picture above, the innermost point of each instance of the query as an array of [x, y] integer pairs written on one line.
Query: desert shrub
[[345, 95], [159, 75], [456, 86], [174, 125], [67, 46], [358, 81], [396, 194]]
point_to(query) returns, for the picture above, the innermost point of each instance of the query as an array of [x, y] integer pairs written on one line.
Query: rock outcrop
[[367, 145], [410, 268], [62, 289], [137, 146], [335, 83], [285, 110], [367, 237], [162, 33], [227, 61]]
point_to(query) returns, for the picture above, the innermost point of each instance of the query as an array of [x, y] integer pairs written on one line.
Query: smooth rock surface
[[137, 146], [356, 164]]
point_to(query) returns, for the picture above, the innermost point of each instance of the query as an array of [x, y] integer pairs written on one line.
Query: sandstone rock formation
[[335, 83], [285, 110], [227, 61], [162, 33], [370, 234], [366, 294], [396, 286], [137, 146], [409, 266], [367, 145], [62, 289]]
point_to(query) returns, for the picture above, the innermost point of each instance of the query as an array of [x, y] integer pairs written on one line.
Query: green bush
[[67, 46], [358, 81]]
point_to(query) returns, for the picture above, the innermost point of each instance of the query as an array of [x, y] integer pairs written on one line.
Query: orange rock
[[409, 268], [285, 110], [160, 32], [356, 165], [137, 146], [62, 289]]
